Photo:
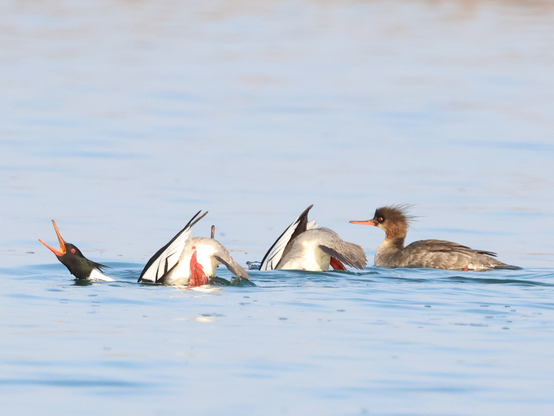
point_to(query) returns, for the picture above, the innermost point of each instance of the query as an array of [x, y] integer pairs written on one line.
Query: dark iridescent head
[[68, 254]]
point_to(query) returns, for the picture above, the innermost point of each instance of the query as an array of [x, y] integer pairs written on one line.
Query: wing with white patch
[[167, 257], [278, 249]]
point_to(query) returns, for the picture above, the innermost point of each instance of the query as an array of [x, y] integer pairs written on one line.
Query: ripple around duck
[[74, 383], [498, 281], [128, 273], [288, 332]]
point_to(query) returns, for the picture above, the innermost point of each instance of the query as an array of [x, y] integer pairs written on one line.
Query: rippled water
[[122, 119], [385, 342]]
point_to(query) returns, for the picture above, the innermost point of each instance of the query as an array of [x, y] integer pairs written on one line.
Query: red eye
[[73, 250], [380, 219]]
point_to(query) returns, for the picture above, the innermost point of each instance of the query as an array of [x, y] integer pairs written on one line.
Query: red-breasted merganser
[[189, 261], [434, 254], [305, 246], [77, 264]]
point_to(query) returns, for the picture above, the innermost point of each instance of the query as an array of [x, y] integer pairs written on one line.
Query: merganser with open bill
[[305, 246], [77, 264], [189, 261], [435, 254]]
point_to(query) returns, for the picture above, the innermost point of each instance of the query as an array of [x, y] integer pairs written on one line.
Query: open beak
[[368, 222], [62, 250]]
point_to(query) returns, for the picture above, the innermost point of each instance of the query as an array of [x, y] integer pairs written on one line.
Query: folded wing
[[347, 253], [225, 258]]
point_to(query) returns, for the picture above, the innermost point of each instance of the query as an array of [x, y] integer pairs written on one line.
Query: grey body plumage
[[436, 254]]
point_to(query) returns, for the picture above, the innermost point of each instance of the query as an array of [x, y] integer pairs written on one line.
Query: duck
[[434, 254], [306, 246], [190, 261], [77, 264]]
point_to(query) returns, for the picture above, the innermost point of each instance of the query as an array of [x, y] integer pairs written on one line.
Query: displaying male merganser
[[305, 246], [189, 261], [77, 264], [434, 254]]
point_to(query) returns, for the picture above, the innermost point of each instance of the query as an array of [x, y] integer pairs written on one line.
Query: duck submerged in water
[[77, 264], [305, 246], [434, 254], [189, 261]]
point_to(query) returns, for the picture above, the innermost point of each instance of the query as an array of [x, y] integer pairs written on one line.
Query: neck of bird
[[395, 236], [391, 247], [81, 268]]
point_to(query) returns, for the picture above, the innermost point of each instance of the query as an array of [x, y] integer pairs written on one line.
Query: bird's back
[[440, 254]]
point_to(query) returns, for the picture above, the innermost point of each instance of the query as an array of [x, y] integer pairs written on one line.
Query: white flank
[[276, 252], [97, 276]]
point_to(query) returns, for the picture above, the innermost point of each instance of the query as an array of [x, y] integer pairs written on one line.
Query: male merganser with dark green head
[[77, 264]]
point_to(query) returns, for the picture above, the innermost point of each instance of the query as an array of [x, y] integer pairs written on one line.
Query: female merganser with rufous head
[[189, 261], [304, 246], [77, 264], [435, 254]]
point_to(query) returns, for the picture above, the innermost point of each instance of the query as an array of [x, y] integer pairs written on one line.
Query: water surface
[[380, 342], [122, 119]]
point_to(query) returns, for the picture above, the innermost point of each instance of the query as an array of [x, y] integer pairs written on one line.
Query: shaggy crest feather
[[396, 213]]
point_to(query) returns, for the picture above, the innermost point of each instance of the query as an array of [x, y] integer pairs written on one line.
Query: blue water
[[402, 342], [120, 120]]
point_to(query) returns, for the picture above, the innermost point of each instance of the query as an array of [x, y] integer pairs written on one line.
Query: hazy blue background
[[121, 119]]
